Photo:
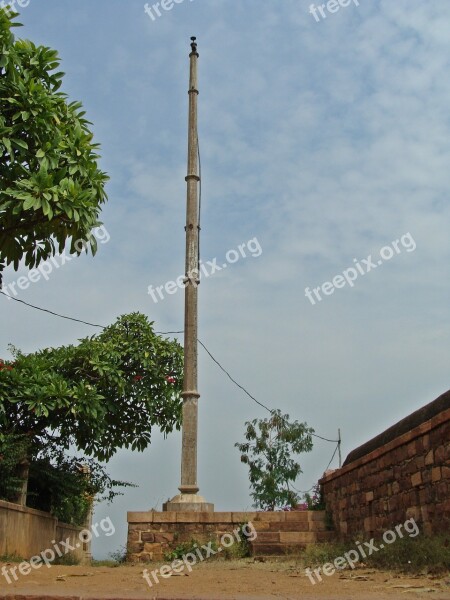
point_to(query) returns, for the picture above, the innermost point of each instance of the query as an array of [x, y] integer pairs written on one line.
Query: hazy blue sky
[[327, 141]]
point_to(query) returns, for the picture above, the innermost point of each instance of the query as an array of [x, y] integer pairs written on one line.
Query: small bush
[[315, 500], [105, 563], [414, 554], [11, 558], [67, 560], [119, 556], [318, 554], [187, 547], [241, 548], [409, 555]]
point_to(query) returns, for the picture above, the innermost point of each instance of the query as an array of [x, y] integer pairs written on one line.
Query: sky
[[324, 146]]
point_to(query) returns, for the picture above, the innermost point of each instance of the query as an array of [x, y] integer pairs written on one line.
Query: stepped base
[[151, 535], [279, 544], [188, 503]]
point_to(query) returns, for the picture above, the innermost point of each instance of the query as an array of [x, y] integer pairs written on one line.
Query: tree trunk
[[23, 472]]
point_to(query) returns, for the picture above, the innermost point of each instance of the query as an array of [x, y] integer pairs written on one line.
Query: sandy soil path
[[221, 581]]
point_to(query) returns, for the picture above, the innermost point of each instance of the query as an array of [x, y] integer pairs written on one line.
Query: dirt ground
[[222, 580]]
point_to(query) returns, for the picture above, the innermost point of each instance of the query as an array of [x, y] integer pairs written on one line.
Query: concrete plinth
[[188, 503]]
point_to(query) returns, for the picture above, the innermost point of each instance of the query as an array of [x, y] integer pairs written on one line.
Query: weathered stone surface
[[163, 538], [151, 547], [303, 525], [140, 517], [271, 516], [268, 536], [243, 517], [164, 517], [134, 536], [392, 478], [416, 479], [216, 517], [149, 542], [297, 537], [296, 515]]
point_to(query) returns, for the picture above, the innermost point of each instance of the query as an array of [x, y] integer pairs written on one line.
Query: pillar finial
[[194, 45]]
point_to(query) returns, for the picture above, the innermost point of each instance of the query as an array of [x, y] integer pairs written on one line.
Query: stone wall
[[152, 534], [26, 532], [403, 473]]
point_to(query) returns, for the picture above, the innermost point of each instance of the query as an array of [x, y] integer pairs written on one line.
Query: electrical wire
[[168, 332], [72, 318], [334, 454], [51, 312], [325, 439], [326, 469], [250, 395], [231, 378]]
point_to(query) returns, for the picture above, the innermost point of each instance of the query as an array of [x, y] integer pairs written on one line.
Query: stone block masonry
[[153, 534], [402, 473]]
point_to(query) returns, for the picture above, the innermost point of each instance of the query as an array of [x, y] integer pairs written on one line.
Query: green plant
[[6, 558], [57, 485], [13, 448], [430, 553], [184, 548], [268, 451], [51, 189], [409, 555], [67, 560], [241, 548], [316, 555], [105, 563], [316, 500], [119, 556], [103, 394]]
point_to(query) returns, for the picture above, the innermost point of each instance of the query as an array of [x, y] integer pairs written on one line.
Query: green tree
[[269, 450], [105, 393], [51, 188]]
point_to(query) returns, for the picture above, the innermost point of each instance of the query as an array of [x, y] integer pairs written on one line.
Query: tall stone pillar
[[188, 499]]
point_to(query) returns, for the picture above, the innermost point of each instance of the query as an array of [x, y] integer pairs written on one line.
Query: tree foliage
[[269, 450], [57, 485], [13, 448], [51, 188], [105, 393]]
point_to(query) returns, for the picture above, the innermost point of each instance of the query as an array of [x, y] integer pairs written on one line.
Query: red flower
[[138, 377], [170, 379]]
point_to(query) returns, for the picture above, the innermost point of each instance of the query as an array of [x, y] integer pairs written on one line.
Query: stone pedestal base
[[152, 535], [188, 503]]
